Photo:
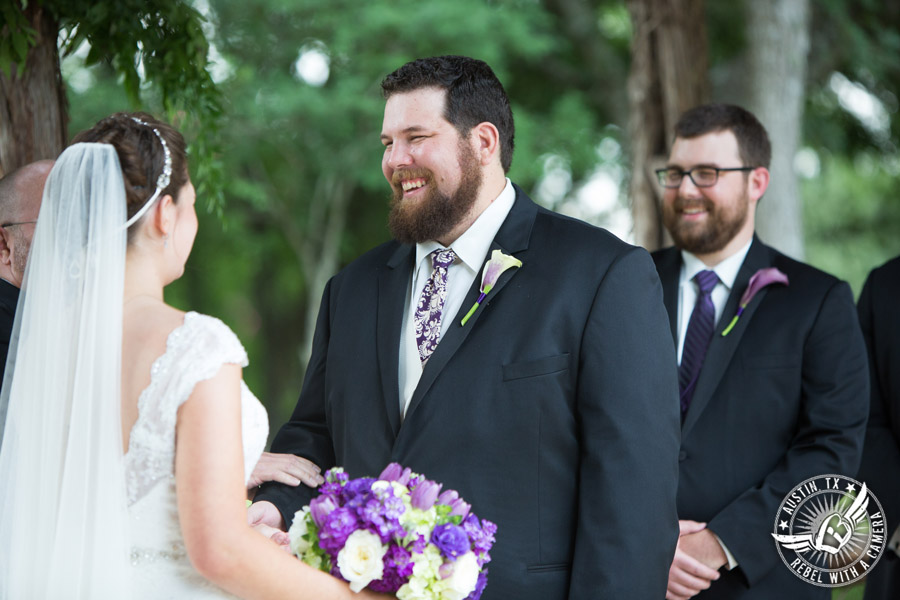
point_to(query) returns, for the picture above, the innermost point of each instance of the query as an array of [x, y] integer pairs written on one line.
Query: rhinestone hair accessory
[[162, 181]]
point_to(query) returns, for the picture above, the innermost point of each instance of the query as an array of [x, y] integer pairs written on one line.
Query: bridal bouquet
[[397, 534]]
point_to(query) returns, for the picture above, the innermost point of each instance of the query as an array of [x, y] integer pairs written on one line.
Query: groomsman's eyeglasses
[[5, 225], [701, 176]]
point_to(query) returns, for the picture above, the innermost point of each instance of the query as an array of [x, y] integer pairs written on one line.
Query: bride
[[129, 436]]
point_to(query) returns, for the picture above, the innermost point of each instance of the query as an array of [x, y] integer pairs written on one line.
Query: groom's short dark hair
[[474, 94]]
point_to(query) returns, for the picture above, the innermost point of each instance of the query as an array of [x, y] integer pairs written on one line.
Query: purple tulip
[[320, 508], [447, 497], [405, 477], [392, 472], [424, 495]]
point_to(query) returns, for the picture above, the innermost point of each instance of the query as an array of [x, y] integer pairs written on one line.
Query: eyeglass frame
[[5, 225], [660, 174]]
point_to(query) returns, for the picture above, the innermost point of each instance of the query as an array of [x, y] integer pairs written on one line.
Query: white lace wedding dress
[[195, 351]]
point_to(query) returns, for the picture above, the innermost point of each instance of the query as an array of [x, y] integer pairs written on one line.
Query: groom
[[552, 409]]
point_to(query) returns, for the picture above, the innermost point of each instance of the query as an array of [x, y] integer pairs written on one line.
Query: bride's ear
[[164, 215]]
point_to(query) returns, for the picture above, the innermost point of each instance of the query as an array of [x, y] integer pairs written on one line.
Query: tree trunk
[[778, 47], [669, 65], [33, 110]]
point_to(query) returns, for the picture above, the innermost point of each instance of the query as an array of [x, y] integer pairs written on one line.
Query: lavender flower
[[424, 495], [493, 268], [321, 507]]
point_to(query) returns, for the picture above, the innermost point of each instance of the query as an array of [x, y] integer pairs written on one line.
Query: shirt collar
[[727, 270], [473, 245]]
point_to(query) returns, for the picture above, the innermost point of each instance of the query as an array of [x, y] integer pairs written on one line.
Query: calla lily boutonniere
[[498, 263], [760, 279]]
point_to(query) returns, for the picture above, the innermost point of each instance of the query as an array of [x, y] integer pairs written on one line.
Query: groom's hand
[[694, 567], [265, 513], [285, 468]]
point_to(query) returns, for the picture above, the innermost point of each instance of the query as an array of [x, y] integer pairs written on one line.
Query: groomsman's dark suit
[[553, 410], [780, 399], [9, 298], [880, 469]]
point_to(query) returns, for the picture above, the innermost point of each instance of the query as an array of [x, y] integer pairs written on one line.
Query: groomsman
[[880, 467], [780, 397], [551, 408], [20, 202]]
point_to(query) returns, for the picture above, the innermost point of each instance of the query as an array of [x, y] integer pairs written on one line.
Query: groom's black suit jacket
[[782, 398], [553, 411], [880, 467]]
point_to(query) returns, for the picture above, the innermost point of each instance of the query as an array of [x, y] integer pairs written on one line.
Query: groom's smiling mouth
[[410, 185]]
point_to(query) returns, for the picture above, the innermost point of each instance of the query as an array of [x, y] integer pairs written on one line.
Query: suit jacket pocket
[[546, 568], [536, 367], [772, 361]]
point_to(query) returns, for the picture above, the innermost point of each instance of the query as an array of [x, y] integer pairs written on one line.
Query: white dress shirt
[[688, 289], [471, 249]]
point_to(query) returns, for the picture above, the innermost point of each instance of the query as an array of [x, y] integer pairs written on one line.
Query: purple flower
[[479, 587], [451, 540], [493, 268], [392, 472], [760, 279], [321, 507], [481, 533], [398, 567], [338, 526], [458, 506], [423, 495]]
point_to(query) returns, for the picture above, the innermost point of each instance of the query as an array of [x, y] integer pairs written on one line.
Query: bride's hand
[[285, 468], [276, 535]]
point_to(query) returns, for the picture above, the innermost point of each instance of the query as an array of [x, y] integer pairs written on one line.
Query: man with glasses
[[20, 202], [769, 399]]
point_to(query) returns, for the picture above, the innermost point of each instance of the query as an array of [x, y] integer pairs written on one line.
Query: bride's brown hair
[[141, 154]]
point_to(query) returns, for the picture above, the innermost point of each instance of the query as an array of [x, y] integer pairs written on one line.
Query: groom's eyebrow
[[410, 129]]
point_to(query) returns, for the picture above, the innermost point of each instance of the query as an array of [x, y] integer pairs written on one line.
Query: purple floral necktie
[[431, 304], [697, 338]]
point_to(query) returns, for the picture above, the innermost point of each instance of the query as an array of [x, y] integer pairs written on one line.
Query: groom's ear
[[5, 250]]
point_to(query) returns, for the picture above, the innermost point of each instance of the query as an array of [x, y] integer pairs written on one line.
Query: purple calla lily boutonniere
[[760, 279], [498, 263]]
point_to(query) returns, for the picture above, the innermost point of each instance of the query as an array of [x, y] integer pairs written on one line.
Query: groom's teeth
[[409, 185]]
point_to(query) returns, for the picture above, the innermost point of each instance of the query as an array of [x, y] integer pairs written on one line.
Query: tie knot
[[442, 258], [706, 281]]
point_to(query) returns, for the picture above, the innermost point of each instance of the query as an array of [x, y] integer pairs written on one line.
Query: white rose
[[361, 560], [463, 579], [298, 529]]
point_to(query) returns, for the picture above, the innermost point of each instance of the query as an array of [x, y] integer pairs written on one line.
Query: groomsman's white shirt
[[471, 249], [727, 271]]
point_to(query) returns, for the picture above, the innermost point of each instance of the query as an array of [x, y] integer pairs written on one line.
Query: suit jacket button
[[682, 455]]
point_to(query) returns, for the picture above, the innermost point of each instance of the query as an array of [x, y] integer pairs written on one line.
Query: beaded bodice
[[195, 351]]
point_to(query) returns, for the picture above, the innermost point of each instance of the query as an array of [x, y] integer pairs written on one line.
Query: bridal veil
[[63, 508]]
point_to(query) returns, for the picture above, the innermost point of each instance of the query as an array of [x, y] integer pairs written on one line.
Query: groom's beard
[[436, 214]]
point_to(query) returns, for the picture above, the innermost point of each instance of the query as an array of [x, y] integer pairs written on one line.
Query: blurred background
[[280, 101]]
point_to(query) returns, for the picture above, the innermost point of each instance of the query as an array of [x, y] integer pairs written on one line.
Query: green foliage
[[16, 37], [159, 51], [852, 216]]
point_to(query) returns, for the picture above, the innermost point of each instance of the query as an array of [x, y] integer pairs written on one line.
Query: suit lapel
[[721, 349], [393, 284], [512, 238]]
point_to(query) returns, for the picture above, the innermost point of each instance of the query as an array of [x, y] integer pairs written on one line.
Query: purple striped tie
[[696, 340], [430, 308]]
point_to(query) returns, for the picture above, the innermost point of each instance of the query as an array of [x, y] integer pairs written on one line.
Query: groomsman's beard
[[435, 214], [722, 223]]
